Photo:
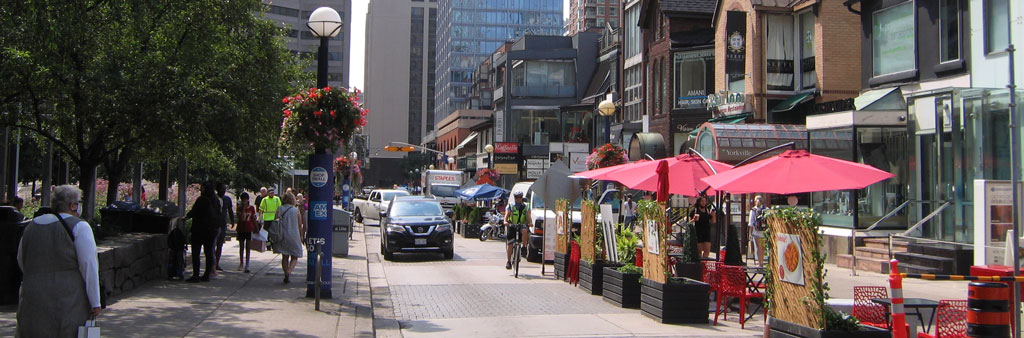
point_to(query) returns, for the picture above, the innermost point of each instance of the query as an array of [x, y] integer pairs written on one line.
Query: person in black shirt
[[702, 217]]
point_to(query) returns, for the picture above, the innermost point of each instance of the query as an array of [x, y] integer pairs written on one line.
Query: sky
[[357, 54]]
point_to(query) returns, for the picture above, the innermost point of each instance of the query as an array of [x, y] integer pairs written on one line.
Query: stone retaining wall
[[130, 260]]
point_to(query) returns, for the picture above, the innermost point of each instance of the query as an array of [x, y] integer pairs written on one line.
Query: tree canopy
[[119, 81]]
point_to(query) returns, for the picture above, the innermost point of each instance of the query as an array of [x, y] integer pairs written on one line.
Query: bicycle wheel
[[516, 249]]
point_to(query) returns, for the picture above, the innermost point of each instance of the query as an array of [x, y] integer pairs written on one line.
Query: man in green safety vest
[[517, 216], [268, 211]]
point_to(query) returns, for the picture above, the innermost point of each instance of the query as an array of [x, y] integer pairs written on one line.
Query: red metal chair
[[868, 312], [573, 270], [710, 275], [951, 320], [733, 283]]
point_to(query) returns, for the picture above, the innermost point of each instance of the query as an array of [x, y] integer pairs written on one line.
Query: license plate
[[421, 241]]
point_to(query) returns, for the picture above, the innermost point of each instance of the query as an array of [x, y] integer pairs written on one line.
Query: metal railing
[[853, 236]]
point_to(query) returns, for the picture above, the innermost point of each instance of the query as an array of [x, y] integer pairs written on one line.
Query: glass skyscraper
[[470, 30]]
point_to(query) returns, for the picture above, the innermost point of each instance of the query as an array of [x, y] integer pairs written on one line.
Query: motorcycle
[[493, 229]]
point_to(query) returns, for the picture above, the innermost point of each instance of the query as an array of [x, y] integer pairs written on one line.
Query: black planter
[[471, 231], [684, 301], [689, 270], [622, 289], [561, 260], [782, 328], [591, 276]]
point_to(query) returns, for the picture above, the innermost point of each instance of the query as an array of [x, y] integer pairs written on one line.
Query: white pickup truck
[[372, 206]]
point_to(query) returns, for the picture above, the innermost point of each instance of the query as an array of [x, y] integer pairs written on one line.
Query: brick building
[[587, 14], [678, 52], [780, 56]]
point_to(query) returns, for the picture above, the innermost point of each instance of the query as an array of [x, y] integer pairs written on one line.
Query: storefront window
[[807, 77], [779, 52], [691, 78], [536, 126], [997, 25], [949, 30], [882, 148], [892, 37]]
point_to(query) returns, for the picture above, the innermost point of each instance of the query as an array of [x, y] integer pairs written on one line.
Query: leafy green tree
[[114, 82]]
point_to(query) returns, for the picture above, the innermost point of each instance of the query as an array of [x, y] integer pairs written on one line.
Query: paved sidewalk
[[237, 304]]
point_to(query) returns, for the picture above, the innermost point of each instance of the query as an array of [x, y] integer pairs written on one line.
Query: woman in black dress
[[702, 217]]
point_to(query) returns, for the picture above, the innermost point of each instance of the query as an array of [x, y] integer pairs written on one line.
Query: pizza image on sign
[[790, 257]]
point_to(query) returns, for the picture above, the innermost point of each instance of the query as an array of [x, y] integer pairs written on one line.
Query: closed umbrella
[[797, 171], [685, 172], [663, 181]]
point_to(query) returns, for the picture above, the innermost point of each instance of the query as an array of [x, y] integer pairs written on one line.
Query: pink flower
[[333, 114], [285, 100], [287, 113], [317, 113]]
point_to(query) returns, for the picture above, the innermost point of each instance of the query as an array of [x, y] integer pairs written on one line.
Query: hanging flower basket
[[321, 118], [491, 174], [606, 156], [342, 166]]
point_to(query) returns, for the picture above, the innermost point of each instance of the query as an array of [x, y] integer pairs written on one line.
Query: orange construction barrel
[[988, 310]]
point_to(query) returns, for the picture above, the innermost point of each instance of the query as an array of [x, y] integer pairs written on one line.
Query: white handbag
[[89, 330]]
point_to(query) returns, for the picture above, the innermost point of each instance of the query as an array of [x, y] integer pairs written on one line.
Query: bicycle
[[517, 248]]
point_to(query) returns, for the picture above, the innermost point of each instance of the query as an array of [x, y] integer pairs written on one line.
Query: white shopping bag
[[89, 330]]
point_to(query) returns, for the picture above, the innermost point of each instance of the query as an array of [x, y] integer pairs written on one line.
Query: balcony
[[544, 91]]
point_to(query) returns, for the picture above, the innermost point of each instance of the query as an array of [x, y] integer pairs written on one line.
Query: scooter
[[493, 229]]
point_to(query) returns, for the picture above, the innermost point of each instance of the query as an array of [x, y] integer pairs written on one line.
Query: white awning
[[468, 139]]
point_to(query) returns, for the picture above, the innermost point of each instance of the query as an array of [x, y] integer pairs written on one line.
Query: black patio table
[[755, 282], [912, 303]]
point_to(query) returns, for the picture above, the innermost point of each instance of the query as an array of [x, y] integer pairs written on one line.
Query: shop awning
[[881, 99], [731, 143], [873, 108], [737, 118], [468, 139], [792, 102]]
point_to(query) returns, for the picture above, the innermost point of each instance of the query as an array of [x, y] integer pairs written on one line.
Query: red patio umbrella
[[684, 171], [797, 171], [603, 173]]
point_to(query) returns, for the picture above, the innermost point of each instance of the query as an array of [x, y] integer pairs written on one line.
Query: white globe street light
[[325, 23], [607, 108], [490, 155]]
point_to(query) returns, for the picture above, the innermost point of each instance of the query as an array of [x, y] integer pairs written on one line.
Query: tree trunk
[[165, 179], [87, 182], [116, 167]]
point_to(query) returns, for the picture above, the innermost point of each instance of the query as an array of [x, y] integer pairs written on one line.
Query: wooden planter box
[[591, 276], [782, 328], [689, 270], [561, 261], [621, 289], [683, 302]]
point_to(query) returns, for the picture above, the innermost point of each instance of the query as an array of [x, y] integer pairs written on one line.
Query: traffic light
[[404, 149]]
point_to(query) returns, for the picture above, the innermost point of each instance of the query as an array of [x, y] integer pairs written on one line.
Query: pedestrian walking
[[57, 255], [291, 235], [259, 198], [268, 211], [757, 227], [246, 225], [702, 217], [205, 213], [629, 212], [303, 206], [227, 217]]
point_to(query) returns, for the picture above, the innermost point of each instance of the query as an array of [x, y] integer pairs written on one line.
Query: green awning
[[792, 102], [737, 118]]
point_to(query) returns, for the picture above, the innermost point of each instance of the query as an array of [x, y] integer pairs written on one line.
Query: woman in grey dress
[[60, 290], [292, 235]]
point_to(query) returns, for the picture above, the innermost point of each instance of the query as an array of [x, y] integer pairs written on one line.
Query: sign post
[[320, 218]]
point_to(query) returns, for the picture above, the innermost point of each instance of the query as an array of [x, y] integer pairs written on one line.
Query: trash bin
[[118, 215], [10, 236], [340, 231]]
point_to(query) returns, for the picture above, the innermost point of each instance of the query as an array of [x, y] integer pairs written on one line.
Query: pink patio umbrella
[[684, 173], [796, 171], [604, 173]]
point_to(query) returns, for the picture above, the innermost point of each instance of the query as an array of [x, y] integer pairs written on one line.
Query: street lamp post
[[451, 163], [490, 156], [607, 108], [324, 23]]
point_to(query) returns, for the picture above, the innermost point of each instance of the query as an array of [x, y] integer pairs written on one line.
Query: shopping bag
[[257, 245], [89, 330], [260, 235]]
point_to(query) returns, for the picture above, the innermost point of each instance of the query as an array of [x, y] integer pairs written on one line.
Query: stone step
[[913, 268], [883, 243], [937, 263], [863, 263], [869, 252]]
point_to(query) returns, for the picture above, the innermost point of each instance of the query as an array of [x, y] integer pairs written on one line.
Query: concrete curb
[[384, 322]]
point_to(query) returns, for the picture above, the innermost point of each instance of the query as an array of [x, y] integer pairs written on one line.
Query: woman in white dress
[[292, 235]]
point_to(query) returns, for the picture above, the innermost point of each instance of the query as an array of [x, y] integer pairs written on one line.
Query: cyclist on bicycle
[[516, 217]]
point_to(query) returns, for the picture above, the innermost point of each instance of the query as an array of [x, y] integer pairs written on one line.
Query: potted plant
[[621, 283], [689, 264], [471, 228], [808, 316], [665, 298]]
